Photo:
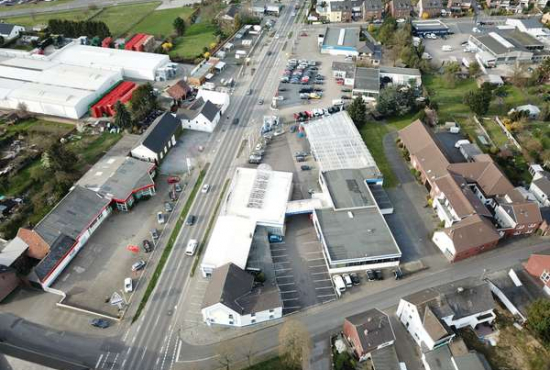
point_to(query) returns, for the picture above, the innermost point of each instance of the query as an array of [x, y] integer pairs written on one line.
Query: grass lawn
[[91, 148], [494, 131], [159, 23], [36, 19], [196, 37], [121, 18], [449, 99], [37, 126], [41, 4]]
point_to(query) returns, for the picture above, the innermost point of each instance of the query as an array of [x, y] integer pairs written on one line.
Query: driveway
[[413, 221]]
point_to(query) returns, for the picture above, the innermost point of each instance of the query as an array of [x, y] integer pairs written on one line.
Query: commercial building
[[430, 315], [345, 41], [368, 332], [255, 197], [232, 298], [400, 76], [157, 140], [508, 47], [106, 105], [366, 83], [344, 71], [424, 27]]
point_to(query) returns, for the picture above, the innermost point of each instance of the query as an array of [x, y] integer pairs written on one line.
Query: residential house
[[226, 18], [12, 260], [430, 315], [510, 291], [540, 188], [232, 298], [159, 137], [399, 9], [201, 115], [459, 6], [545, 225], [367, 332], [444, 358], [340, 11], [179, 91], [9, 281], [531, 110], [371, 51], [386, 358], [518, 218], [538, 266], [372, 9], [429, 8], [10, 31]]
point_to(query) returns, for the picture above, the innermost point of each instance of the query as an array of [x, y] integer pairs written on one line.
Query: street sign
[[116, 299]]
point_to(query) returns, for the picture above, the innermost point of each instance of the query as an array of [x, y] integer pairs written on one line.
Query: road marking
[[200, 359], [282, 270], [315, 259], [321, 280], [195, 303], [143, 354], [123, 363], [203, 281], [278, 250], [284, 277], [134, 339], [325, 295], [290, 299], [286, 284], [313, 252], [325, 287], [114, 362], [281, 261], [289, 291], [178, 351], [320, 273], [292, 307], [105, 360], [279, 256], [126, 335], [317, 266], [99, 361]]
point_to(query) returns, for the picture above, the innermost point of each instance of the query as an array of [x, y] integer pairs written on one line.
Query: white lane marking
[[179, 351], [289, 291], [114, 362], [200, 359], [279, 255], [134, 339], [325, 287], [143, 354], [315, 281], [126, 335], [99, 361], [123, 363], [325, 295], [105, 360]]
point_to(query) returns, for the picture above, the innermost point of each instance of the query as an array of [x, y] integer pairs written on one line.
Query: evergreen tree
[[123, 119], [358, 112], [179, 26]]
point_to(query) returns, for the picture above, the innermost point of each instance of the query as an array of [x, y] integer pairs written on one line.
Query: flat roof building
[[366, 83]]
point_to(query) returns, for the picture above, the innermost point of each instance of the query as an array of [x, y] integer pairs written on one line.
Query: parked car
[[128, 286], [173, 179], [177, 188], [339, 284], [300, 154], [261, 102], [154, 234], [138, 265], [275, 238], [205, 188], [167, 206], [300, 158], [160, 218], [100, 323], [305, 167], [347, 280], [370, 275], [378, 274], [346, 90], [190, 220], [345, 97], [147, 247], [355, 279]]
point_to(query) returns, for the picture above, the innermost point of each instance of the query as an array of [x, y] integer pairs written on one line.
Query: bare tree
[[248, 347], [225, 354], [295, 344]]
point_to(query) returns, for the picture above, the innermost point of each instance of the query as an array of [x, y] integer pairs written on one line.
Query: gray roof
[[373, 5], [373, 329], [367, 79], [6, 28], [519, 296], [200, 106], [543, 184], [72, 214], [160, 132], [58, 250], [545, 213], [130, 176], [401, 4], [399, 70], [210, 110], [371, 46], [471, 361], [347, 67], [233, 287], [385, 359], [431, 4], [471, 149], [531, 23], [348, 188], [429, 25], [361, 233], [332, 35], [440, 358]]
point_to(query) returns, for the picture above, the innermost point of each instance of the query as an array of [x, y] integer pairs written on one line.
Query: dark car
[[300, 158], [398, 274], [346, 90], [370, 275], [235, 121], [282, 89], [100, 323], [355, 279], [147, 246], [346, 97], [378, 274], [190, 220], [138, 265], [305, 167]]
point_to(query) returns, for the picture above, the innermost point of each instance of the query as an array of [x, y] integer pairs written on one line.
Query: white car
[[160, 218], [205, 188], [191, 247], [128, 286], [476, 30]]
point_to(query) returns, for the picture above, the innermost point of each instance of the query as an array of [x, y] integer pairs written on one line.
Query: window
[[532, 225], [253, 315], [545, 276], [253, 321], [520, 227], [230, 316], [271, 311]]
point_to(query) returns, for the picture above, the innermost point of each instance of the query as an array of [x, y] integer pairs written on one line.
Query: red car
[[173, 179], [340, 82]]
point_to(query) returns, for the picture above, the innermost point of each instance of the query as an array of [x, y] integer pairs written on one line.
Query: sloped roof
[[160, 132], [179, 90], [524, 212], [416, 137], [385, 359], [436, 328], [471, 232], [6, 28], [373, 328], [486, 174], [543, 184], [58, 250], [461, 197]]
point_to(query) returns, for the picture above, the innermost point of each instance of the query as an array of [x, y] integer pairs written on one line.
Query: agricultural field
[[120, 19], [160, 22], [43, 18]]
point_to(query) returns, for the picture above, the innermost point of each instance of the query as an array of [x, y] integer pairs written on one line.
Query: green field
[[120, 19], [38, 19], [196, 37], [159, 23], [448, 99], [41, 4]]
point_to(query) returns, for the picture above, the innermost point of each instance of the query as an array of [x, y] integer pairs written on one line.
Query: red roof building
[[538, 266]]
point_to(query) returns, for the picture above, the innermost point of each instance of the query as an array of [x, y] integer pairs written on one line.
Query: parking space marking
[[319, 273], [292, 307], [325, 295], [315, 281], [315, 259], [281, 262], [289, 291], [290, 299], [317, 266], [195, 303], [279, 256], [286, 284], [317, 251], [282, 270], [278, 250], [324, 287], [285, 276]]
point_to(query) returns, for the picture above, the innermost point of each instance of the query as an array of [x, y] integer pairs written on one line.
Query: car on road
[[100, 323], [261, 102], [138, 265], [269, 53], [190, 220], [249, 92], [160, 218], [370, 275], [154, 234], [191, 247], [235, 121], [168, 207], [205, 188], [128, 286], [305, 167], [147, 246]]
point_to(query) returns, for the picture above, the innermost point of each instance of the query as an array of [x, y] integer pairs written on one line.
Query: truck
[[447, 48], [209, 86]]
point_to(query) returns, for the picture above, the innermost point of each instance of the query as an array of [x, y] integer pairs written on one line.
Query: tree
[[59, 158], [358, 112], [22, 110], [473, 69], [449, 76], [123, 119], [478, 101], [143, 101], [294, 345], [395, 101], [545, 157], [179, 26], [538, 318], [518, 76]]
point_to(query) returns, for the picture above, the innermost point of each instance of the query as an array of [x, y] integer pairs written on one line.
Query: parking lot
[[300, 267]]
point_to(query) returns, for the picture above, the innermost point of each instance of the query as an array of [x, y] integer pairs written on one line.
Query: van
[[347, 280], [459, 143], [339, 284], [191, 247]]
